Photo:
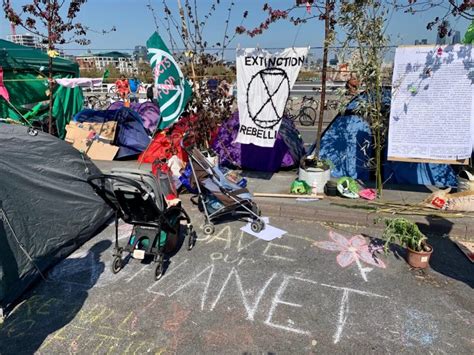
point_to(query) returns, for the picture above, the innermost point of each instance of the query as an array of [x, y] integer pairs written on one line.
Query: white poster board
[[264, 81], [432, 115]]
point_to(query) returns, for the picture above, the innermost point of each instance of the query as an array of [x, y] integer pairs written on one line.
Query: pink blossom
[[351, 250]]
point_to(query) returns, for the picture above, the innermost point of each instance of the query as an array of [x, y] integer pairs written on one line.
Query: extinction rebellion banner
[[173, 89], [264, 81]]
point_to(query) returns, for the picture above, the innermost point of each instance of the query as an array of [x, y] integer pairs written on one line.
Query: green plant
[[313, 162], [364, 22], [405, 232]]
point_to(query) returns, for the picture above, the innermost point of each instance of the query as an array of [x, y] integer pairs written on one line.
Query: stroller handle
[[91, 180]]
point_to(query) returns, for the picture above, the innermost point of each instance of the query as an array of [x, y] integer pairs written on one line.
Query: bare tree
[[452, 8], [185, 28]]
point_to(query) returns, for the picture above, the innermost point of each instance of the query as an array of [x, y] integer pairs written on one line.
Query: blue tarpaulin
[[132, 137]]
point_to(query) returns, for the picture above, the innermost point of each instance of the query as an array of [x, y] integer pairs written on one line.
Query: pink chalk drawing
[[351, 250]]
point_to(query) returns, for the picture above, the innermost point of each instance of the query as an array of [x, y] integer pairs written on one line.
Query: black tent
[[47, 208]]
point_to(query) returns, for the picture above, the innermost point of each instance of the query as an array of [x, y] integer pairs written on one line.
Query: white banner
[[264, 81], [432, 110]]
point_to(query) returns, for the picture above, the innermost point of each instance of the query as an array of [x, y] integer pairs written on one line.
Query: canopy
[[25, 77]]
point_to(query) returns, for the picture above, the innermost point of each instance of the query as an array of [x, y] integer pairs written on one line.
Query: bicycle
[[332, 105], [306, 114], [96, 102]]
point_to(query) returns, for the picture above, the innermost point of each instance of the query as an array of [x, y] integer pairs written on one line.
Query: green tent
[[25, 74]]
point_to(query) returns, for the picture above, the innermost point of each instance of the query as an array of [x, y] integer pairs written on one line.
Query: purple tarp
[[249, 156], [149, 111]]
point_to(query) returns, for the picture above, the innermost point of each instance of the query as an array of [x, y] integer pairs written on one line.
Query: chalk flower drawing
[[351, 250]]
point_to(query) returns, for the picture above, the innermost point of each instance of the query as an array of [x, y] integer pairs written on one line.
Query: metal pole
[[322, 105]]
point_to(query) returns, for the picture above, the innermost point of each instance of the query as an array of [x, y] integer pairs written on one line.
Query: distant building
[[99, 61], [140, 54], [456, 38], [334, 61], [27, 40], [421, 42]]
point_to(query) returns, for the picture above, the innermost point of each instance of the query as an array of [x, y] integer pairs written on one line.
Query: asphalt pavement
[[236, 294]]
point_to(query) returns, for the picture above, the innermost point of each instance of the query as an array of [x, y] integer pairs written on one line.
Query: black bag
[[149, 93]]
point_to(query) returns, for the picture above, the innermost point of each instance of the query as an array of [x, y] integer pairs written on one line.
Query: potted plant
[[407, 234]]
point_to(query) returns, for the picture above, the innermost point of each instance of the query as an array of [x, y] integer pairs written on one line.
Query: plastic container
[[315, 177]]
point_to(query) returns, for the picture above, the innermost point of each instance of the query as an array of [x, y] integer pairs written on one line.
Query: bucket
[[315, 177], [465, 181]]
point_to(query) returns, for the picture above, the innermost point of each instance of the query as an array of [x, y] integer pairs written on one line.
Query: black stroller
[[137, 198], [217, 196]]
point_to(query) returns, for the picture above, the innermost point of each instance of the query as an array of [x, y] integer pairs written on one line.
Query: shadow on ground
[[447, 258], [52, 304]]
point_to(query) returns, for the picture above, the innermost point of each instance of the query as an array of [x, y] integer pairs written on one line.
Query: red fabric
[[167, 141], [122, 86]]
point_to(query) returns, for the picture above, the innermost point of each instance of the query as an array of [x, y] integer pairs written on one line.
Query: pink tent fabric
[[3, 90]]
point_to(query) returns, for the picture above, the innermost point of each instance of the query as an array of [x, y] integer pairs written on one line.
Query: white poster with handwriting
[[264, 81], [432, 114]]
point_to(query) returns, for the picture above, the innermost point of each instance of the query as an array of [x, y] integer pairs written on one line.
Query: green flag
[[173, 89], [106, 74], [469, 36]]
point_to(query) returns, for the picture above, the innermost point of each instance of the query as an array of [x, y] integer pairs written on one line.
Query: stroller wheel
[[257, 226], [208, 229], [117, 264], [159, 268]]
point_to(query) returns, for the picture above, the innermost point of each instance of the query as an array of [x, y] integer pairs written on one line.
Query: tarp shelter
[[148, 111], [287, 151], [132, 137], [47, 208], [347, 142], [26, 79]]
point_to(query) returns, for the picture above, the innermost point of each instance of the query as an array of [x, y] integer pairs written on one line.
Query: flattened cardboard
[[96, 150], [105, 130]]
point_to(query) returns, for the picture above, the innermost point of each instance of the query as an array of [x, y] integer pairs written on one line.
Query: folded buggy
[[217, 196], [137, 198]]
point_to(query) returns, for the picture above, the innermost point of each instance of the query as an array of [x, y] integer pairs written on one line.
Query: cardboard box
[[94, 149], [105, 130]]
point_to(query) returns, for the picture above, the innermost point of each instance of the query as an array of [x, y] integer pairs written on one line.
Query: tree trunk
[[322, 105]]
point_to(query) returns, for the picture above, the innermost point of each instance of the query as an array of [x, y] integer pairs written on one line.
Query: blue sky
[[134, 24]]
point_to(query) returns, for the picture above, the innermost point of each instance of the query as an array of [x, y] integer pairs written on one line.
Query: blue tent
[[347, 143], [132, 137]]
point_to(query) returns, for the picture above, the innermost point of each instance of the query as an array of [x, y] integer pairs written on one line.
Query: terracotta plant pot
[[419, 259]]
